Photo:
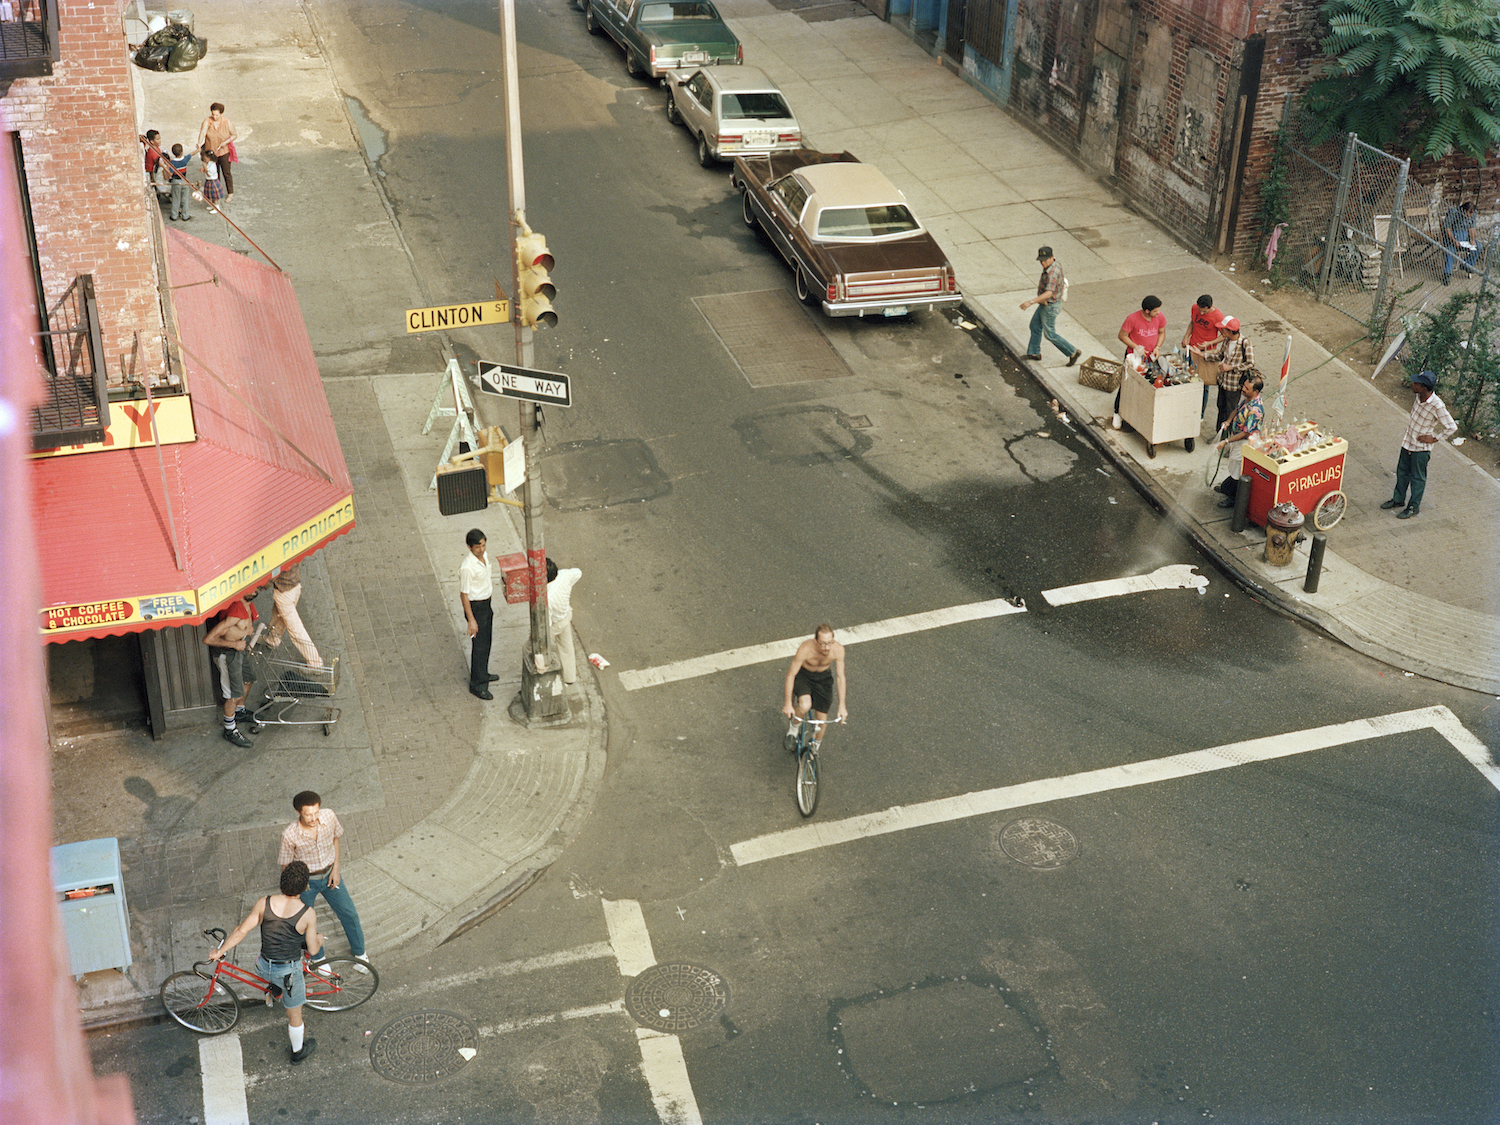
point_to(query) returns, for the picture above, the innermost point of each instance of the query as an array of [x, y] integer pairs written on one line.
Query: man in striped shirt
[[1429, 424], [314, 839]]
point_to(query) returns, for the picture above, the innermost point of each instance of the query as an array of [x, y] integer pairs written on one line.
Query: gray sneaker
[[238, 737]]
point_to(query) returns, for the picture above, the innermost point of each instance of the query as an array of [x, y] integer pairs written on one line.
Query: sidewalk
[[449, 807], [1422, 595]]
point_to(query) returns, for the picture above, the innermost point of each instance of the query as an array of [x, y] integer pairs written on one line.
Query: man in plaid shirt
[[314, 839], [1429, 424]]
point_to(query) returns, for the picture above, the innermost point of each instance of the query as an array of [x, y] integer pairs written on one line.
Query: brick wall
[[84, 172]]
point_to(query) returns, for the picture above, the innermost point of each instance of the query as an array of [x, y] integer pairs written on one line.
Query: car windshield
[[662, 13], [866, 222], [764, 105]]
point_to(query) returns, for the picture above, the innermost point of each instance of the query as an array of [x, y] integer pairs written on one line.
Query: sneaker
[[361, 963], [1407, 512], [243, 717], [1389, 504], [238, 737], [1115, 421], [322, 968], [1030, 355], [1072, 359], [308, 1047], [789, 742], [813, 746], [1227, 502]]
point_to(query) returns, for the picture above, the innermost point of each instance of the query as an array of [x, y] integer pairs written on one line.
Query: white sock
[[816, 743], [793, 728], [296, 1034]]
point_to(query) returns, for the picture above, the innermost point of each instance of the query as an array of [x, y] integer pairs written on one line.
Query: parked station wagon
[[847, 232], [662, 35], [731, 111]]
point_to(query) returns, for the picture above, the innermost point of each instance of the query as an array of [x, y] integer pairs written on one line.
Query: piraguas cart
[[1303, 466], [1165, 403]]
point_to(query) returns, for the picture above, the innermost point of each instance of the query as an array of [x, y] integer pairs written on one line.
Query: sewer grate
[[676, 996], [1038, 842], [771, 337], [423, 1047]]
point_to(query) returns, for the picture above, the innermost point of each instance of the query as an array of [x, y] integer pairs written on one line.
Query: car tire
[[805, 292], [750, 219], [588, 18], [633, 65], [672, 115], [706, 155]]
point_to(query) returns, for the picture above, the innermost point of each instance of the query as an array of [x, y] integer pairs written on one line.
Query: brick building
[[182, 447]]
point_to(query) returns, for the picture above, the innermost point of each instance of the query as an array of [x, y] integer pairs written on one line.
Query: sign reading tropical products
[[122, 613]]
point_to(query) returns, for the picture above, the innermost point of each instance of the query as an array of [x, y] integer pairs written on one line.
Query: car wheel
[[633, 65], [750, 220], [672, 115], [805, 291], [706, 155], [588, 18]]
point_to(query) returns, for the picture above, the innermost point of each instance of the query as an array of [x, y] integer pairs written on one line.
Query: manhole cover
[[1038, 843], [676, 997], [423, 1047]]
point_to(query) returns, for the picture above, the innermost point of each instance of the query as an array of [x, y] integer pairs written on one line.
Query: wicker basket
[[1101, 374]]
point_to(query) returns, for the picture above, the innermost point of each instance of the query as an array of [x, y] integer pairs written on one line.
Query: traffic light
[[534, 288]]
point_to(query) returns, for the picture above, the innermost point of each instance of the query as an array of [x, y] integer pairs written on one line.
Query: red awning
[[242, 496]]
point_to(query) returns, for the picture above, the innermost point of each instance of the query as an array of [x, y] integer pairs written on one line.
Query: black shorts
[[819, 685]]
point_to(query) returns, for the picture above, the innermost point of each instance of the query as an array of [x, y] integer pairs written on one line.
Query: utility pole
[[543, 696]]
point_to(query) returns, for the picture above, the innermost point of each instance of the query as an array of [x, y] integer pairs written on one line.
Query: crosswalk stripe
[[222, 1066], [900, 818]]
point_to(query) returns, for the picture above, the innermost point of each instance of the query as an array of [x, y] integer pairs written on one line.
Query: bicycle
[[807, 762], [203, 1002]]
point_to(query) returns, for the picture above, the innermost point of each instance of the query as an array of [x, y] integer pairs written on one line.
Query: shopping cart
[[296, 693]]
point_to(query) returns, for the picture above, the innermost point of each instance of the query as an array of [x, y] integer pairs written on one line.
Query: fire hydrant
[[1283, 532]]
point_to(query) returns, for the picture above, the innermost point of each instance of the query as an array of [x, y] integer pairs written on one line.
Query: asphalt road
[[1297, 938]]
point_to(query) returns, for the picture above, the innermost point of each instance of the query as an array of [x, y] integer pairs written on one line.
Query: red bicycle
[[204, 1001]]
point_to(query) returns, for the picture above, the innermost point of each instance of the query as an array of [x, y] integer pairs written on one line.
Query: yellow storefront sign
[[130, 426], [256, 570], [118, 611], [471, 315]]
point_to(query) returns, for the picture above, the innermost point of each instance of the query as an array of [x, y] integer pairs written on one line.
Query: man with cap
[[1236, 360], [1044, 321], [1429, 424]]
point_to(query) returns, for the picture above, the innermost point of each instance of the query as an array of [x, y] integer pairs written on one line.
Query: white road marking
[[784, 650], [900, 818], [662, 1064], [666, 1073], [593, 952], [611, 1008], [628, 936], [223, 1068], [1181, 576], [1176, 577]]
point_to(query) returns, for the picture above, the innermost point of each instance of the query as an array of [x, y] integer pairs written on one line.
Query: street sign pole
[[543, 697]]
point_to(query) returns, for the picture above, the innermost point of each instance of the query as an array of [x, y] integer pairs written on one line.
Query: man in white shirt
[[474, 589], [560, 585], [1429, 424]]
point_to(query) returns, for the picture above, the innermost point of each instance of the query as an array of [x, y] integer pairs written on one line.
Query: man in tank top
[[286, 925]]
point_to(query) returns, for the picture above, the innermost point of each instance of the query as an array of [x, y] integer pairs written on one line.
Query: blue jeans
[[1411, 471], [1044, 323], [338, 898], [1469, 258]]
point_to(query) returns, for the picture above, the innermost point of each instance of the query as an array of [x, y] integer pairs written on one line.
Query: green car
[[662, 35]]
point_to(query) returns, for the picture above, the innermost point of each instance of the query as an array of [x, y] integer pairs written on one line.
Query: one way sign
[[520, 382]]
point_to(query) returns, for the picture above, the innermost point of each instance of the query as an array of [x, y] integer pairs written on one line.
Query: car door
[[788, 197], [696, 106], [612, 14]]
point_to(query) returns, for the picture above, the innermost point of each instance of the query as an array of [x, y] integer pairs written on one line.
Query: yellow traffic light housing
[[534, 288]]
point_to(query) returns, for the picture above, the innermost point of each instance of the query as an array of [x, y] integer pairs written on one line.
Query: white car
[[731, 111]]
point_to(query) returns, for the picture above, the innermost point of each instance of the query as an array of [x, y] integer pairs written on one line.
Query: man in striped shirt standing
[[314, 839], [1429, 424]]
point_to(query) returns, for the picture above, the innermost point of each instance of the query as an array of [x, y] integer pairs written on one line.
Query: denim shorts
[[286, 976]]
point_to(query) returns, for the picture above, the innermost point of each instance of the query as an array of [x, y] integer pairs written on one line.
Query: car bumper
[[665, 67], [888, 307]]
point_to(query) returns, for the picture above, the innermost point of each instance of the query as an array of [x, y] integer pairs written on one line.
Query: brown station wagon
[[846, 231]]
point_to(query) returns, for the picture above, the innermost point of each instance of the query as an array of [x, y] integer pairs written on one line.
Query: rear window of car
[[866, 222], [765, 105], [662, 13]]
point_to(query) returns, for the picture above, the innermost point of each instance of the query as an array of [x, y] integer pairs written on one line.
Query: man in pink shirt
[[1142, 333]]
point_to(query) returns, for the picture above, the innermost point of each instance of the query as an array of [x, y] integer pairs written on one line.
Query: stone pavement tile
[[969, 191], [950, 231], [1003, 223], [937, 159]]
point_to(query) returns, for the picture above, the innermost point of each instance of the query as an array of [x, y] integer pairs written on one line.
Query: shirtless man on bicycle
[[809, 681]]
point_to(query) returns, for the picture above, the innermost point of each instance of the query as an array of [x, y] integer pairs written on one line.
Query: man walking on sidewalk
[[1429, 424], [313, 839], [1049, 292]]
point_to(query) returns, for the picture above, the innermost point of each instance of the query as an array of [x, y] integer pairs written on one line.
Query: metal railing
[[28, 45], [76, 409]]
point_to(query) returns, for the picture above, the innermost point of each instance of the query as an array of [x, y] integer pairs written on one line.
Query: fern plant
[[1423, 76]]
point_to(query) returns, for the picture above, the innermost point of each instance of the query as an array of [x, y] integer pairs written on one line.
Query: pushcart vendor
[[1246, 420], [1201, 341], [1141, 333]]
